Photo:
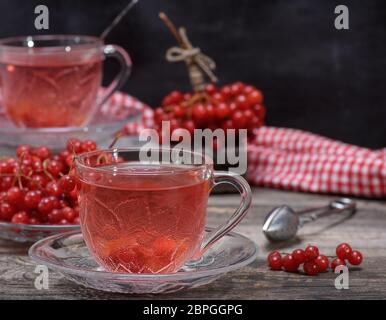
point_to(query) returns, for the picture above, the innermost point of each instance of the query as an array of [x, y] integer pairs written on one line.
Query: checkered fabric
[[297, 160]]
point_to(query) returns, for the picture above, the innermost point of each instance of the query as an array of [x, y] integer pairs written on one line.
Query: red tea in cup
[[150, 224], [52, 81], [145, 217], [50, 93]]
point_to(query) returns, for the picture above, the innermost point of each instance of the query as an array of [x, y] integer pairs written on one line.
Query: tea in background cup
[[149, 217], [53, 80]]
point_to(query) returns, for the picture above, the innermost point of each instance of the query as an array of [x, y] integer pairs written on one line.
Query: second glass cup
[[53, 80], [148, 216]]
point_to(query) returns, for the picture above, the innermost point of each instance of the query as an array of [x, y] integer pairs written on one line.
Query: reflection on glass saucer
[[68, 254]]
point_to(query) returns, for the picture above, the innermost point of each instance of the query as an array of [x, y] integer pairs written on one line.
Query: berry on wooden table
[[312, 261], [299, 255], [355, 258], [343, 251], [322, 262], [274, 260], [337, 262], [312, 252], [311, 268], [289, 263]]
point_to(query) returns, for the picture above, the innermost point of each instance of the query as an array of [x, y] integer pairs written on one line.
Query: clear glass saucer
[[68, 254], [101, 129], [32, 232]]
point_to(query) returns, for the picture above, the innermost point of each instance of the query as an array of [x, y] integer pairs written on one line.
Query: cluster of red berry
[[313, 263], [39, 187], [233, 106]]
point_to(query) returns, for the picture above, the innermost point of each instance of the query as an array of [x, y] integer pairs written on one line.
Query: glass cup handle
[[246, 199], [124, 60]]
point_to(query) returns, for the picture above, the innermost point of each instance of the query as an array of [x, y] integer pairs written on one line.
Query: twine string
[[194, 58]]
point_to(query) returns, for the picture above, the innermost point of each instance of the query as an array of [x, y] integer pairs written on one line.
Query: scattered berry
[[312, 252], [355, 258], [289, 263], [299, 255], [313, 262], [311, 268], [343, 251], [274, 260], [322, 262], [337, 262]]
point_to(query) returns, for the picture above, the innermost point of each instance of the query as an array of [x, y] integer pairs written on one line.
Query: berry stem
[[19, 182], [197, 97], [45, 164], [172, 29], [117, 136], [197, 63]]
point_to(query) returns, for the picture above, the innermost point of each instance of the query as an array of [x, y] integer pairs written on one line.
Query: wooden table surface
[[365, 231]]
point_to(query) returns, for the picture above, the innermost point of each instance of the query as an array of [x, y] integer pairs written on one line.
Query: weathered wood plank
[[252, 282], [365, 231]]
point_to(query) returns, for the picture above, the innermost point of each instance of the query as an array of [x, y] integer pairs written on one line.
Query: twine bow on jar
[[197, 62]]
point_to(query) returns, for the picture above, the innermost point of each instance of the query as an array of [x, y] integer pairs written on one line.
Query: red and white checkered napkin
[[296, 160], [302, 161]]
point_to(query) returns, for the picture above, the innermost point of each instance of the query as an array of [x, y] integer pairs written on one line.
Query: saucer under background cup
[[67, 253], [117, 112]]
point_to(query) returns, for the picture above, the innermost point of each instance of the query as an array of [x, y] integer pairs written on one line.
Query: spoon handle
[[335, 206]]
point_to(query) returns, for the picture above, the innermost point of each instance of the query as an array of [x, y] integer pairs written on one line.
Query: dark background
[[314, 77]]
